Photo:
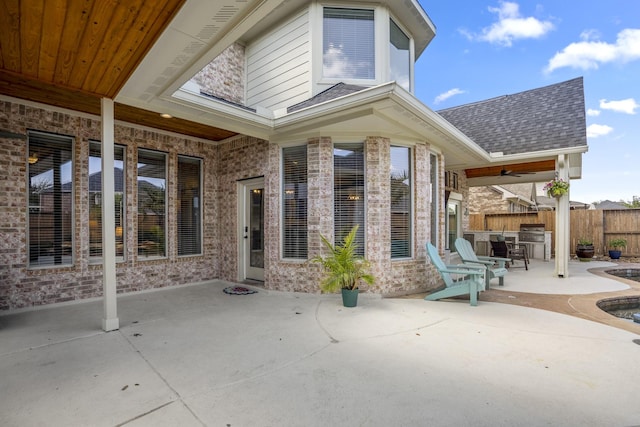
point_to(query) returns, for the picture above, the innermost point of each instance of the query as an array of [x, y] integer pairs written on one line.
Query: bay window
[[349, 192], [294, 183], [399, 56], [401, 202], [348, 40]]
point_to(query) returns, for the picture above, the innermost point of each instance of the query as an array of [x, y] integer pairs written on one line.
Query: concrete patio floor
[[194, 356]]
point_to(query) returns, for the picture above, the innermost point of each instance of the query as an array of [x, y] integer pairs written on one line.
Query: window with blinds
[[348, 191], [152, 178], [50, 172], [401, 202], [95, 199], [399, 56], [189, 206], [294, 222], [348, 43], [433, 176]]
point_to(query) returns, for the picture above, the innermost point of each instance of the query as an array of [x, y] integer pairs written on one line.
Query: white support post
[[110, 320], [563, 251]]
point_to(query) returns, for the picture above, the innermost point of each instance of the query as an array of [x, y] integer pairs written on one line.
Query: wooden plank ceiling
[[514, 168], [71, 53]]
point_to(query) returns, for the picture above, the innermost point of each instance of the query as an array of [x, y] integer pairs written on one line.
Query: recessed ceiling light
[[166, 116]]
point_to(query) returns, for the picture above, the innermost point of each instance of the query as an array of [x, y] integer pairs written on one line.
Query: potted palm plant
[[614, 244], [344, 269]]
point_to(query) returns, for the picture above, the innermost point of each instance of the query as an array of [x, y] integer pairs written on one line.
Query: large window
[[348, 44], [95, 199], [50, 172], [401, 202], [399, 56], [189, 206], [433, 176], [151, 203], [294, 165], [348, 191]]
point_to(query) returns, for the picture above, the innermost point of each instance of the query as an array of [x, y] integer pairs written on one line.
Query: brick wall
[[24, 287], [485, 200], [239, 159], [224, 76], [223, 166]]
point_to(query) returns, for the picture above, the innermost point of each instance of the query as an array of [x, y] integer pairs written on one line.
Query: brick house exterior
[[259, 114]]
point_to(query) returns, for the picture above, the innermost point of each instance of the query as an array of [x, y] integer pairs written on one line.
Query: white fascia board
[[197, 108], [420, 110], [510, 158], [375, 98]]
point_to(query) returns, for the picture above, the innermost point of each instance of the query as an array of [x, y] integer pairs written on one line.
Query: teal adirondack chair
[[471, 282], [495, 266]]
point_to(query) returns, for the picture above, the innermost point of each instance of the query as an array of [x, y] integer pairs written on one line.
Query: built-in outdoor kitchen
[[532, 236]]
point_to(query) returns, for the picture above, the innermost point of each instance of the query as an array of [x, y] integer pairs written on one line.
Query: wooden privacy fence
[[599, 226]]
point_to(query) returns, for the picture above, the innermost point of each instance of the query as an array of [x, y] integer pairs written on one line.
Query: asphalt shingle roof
[[335, 91], [547, 118]]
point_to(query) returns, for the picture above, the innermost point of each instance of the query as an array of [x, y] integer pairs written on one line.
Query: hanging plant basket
[[557, 188]]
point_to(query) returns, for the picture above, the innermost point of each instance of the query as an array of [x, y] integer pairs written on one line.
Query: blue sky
[[485, 49]]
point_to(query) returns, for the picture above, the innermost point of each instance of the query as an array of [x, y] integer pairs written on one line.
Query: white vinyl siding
[[279, 66]]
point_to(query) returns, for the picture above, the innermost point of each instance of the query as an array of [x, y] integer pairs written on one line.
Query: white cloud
[[512, 26], [594, 131], [448, 94], [593, 113], [589, 54], [627, 106]]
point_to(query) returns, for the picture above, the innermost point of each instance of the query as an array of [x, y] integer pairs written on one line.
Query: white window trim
[[412, 49], [381, 17], [317, 20]]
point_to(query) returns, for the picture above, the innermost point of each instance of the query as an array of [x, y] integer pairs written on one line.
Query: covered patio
[[193, 356]]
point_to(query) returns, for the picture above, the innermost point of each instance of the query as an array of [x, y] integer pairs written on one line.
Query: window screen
[[348, 43], [189, 206], [95, 199], [400, 202], [295, 202], [151, 203], [50, 172], [348, 191]]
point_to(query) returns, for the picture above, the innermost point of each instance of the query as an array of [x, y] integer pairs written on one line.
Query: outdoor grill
[[531, 233]]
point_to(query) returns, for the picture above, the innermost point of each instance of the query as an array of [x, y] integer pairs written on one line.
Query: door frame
[[242, 245]]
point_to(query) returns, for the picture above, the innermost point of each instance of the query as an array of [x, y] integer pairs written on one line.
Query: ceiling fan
[[505, 172]]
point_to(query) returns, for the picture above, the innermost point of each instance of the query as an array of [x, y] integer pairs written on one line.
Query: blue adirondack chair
[[495, 266], [471, 282]]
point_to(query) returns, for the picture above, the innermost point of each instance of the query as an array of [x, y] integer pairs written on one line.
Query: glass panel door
[[253, 230]]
